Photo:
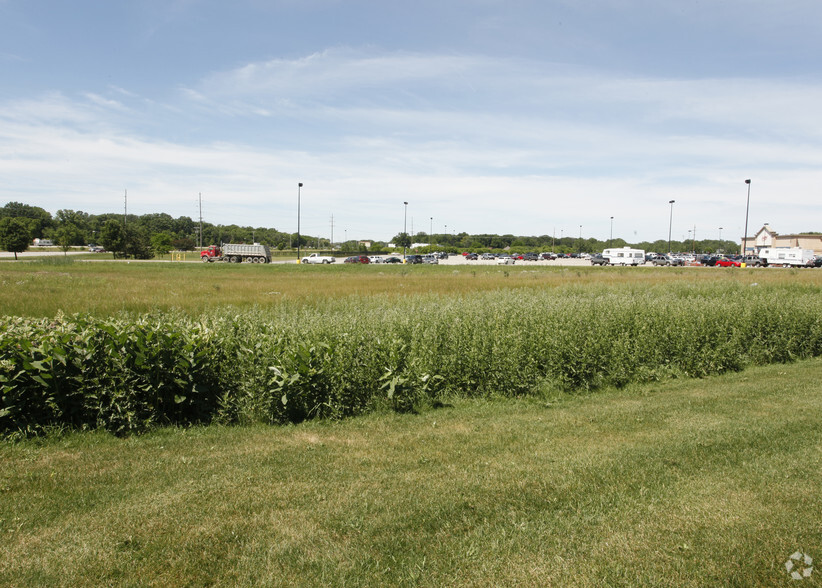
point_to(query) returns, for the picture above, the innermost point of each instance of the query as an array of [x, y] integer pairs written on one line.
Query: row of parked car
[[705, 260], [392, 259]]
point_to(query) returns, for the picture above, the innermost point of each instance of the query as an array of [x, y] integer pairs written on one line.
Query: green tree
[[79, 219], [162, 243], [111, 236], [136, 242], [15, 235], [68, 234], [402, 240], [184, 244], [37, 219]]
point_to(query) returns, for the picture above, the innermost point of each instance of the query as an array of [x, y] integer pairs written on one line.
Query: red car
[[725, 262], [357, 259]]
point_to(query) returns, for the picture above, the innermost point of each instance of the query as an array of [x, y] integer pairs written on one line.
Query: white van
[[624, 256]]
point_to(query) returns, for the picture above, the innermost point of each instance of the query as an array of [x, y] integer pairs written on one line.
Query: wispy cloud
[[484, 145]]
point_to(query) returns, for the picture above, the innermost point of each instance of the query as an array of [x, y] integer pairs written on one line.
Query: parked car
[[727, 262], [471, 256], [598, 259], [357, 259], [667, 260], [530, 257], [430, 259], [549, 256], [392, 260], [376, 259], [505, 260], [487, 256], [412, 259], [752, 261], [815, 262]]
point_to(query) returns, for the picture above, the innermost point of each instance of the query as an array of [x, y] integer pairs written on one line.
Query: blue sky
[[486, 116]]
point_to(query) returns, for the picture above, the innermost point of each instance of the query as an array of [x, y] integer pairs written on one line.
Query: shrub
[[296, 362]]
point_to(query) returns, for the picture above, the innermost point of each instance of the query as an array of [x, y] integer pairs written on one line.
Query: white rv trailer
[[786, 256], [624, 256]]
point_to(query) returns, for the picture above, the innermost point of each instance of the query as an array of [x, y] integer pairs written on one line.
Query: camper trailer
[[786, 256], [624, 256]]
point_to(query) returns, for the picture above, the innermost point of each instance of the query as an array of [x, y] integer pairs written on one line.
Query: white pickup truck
[[317, 258]]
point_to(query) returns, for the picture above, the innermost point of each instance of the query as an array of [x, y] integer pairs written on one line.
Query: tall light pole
[[580, 238], [610, 244], [431, 230], [201, 221], [670, 222], [299, 187], [747, 206], [720, 237], [404, 232]]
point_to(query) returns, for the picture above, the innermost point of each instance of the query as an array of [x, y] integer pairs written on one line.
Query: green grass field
[[710, 482], [44, 287], [679, 482]]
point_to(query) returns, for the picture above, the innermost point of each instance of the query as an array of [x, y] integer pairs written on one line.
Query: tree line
[[131, 236]]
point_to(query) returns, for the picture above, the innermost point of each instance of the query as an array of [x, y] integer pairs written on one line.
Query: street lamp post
[[720, 237], [580, 239], [299, 187], [431, 230], [610, 243], [404, 232], [747, 206], [670, 222]]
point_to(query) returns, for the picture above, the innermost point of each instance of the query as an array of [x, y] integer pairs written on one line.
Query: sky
[[525, 117]]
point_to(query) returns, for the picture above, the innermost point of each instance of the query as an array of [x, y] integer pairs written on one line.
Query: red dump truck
[[237, 253]]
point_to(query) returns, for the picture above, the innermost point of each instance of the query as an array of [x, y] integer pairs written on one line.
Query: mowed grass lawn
[[712, 482]]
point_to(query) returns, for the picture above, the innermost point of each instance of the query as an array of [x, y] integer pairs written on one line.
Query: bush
[[293, 363]]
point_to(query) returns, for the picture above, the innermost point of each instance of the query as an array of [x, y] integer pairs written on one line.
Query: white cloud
[[484, 145]]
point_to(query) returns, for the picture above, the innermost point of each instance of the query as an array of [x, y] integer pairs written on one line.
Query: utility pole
[[404, 229], [670, 223], [125, 208], [201, 221], [332, 232], [610, 244], [299, 187], [747, 207]]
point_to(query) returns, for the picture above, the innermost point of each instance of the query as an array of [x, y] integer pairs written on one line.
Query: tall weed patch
[[298, 362]]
